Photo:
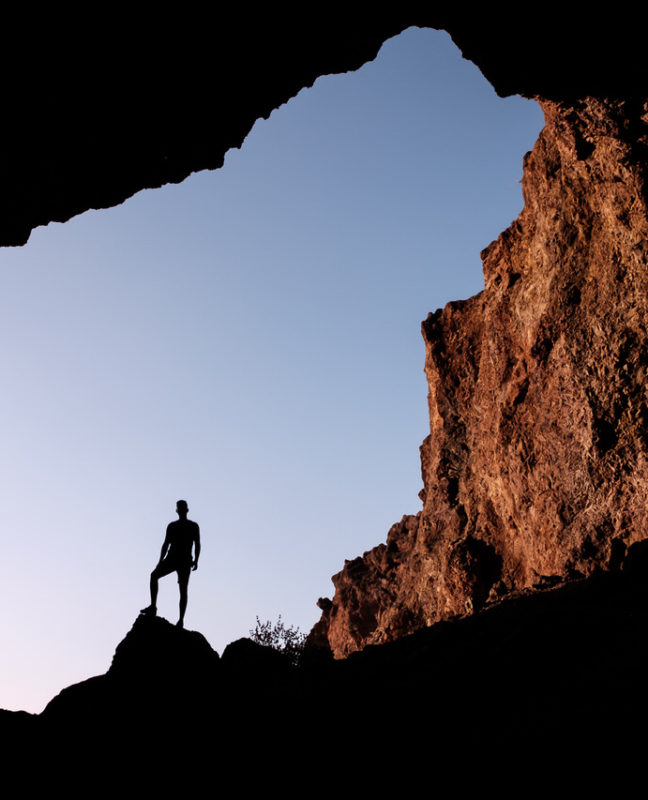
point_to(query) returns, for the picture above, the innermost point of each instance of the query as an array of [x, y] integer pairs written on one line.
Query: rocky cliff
[[536, 466]]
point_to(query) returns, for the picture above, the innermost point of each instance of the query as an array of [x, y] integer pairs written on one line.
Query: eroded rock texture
[[535, 469]]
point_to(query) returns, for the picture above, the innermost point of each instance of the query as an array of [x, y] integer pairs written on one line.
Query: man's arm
[[196, 547], [165, 545]]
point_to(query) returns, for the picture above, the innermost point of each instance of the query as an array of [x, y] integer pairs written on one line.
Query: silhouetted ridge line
[[565, 665]]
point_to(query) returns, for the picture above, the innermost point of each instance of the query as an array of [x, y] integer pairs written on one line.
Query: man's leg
[[183, 585], [153, 585], [160, 571]]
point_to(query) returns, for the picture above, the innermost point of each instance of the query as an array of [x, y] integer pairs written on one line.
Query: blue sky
[[248, 340]]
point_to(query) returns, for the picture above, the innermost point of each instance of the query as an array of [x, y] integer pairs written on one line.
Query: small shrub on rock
[[287, 640]]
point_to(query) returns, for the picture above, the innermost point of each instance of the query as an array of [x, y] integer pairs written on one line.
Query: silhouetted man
[[176, 556]]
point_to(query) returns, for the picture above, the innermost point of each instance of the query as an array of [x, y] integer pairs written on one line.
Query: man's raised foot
[[149, 611]]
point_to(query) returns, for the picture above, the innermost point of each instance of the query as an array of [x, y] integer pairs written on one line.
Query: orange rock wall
[[535, 469]]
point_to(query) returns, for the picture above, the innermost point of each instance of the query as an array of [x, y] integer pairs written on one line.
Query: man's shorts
[[169, 565]]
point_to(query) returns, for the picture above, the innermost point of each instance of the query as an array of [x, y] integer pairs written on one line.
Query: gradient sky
[[248, 340]]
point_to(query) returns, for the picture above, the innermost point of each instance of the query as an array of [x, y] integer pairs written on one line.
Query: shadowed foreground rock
[[559, 670]]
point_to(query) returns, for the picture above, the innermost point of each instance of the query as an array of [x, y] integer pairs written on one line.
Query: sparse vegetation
[[287, 640]]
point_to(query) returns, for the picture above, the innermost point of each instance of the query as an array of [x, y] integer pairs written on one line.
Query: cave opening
[[248, 339]]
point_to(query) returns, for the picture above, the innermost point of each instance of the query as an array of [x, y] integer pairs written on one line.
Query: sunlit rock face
[[536, 466]]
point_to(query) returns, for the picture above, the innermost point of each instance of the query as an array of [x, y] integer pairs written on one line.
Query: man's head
[[182, 508]]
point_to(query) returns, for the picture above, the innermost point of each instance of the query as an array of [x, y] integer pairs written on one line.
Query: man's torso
[[181, 535]]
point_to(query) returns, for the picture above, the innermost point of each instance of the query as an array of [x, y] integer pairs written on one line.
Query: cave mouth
[[248, 339]]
